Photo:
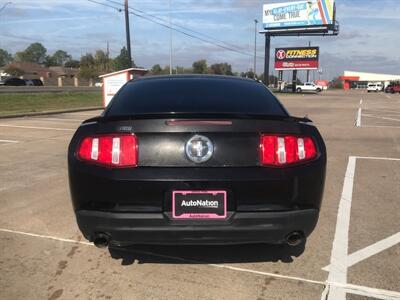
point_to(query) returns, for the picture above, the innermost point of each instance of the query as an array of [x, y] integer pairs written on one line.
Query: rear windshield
[[194, 95]]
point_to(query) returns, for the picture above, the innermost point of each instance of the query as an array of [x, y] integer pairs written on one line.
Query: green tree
[[88, 67], [5, 57], [14, 71], [200, 67], [221, 69], [122, 62], [61, 57], [102, 62], [35, 53], [156, 70], [73, 63], [248, 74]]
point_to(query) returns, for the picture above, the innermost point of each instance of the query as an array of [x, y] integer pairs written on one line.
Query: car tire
[[318, 90], [298, 90]]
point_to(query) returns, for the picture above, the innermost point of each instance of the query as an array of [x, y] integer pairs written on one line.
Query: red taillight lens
[[284, 150], [113, 150]]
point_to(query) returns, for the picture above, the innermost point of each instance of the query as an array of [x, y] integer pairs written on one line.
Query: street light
[[255, 47], [170, 39]]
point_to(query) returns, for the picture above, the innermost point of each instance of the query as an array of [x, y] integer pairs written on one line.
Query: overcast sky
[[368, 39]]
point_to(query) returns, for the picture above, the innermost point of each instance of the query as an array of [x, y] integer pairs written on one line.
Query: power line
[[178, 26], [177, 30]]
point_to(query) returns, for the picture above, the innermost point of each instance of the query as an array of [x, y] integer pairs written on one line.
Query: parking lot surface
[[354, 253]]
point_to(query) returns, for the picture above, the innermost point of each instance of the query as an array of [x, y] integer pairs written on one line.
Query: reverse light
[[112, 150], [277, 150]]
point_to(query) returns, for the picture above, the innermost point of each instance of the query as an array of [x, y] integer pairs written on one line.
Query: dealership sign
[[300, 58], [298, 14]]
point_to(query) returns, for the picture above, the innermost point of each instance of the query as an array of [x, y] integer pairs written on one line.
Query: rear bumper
[[158, 228]]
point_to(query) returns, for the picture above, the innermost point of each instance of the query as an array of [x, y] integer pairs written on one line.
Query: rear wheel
[[298, 90], [318, 90]]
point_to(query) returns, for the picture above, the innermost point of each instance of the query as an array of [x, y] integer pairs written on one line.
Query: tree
[[200, 67], [122, 62], [14, 71], [35, 53], [5, 57], [156, 70], [221, 69], [73, 63], [61, 57], [102, 62], [248, 74], [87, 67]]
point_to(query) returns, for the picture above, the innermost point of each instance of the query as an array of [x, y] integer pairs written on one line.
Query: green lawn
[[15, 103]]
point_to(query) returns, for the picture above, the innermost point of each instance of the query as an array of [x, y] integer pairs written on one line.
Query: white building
[[360, 79]]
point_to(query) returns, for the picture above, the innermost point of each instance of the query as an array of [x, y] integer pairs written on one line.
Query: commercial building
[[357, 80]]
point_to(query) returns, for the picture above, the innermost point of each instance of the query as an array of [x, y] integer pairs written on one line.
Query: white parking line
[[376, 126], [9, 141], [371, 250], [358, 121], [55, 119], [383, 118], [349, 288], [37, 127], [90, 115], [378, 158], [338, 269], [385, 111]]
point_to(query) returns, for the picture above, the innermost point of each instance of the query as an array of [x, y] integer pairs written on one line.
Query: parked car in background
[[98, 84], [34, 82], [308, 87], [374, 87], [29, 82], [393, 88], [14, 82]]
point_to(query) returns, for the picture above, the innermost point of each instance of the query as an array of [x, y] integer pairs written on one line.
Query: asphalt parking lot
[[354, 253]]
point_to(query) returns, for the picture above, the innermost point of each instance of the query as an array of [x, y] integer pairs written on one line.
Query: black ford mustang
[[196, 159]]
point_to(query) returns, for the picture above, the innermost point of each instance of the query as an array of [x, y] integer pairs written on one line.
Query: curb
[[50, 112]]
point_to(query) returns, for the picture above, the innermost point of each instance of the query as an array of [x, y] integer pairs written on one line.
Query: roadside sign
[[298, 14], [112, 82], [299, 58]]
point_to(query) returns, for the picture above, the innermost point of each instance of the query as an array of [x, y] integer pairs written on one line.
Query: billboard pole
[[308, 71], [266, 59]]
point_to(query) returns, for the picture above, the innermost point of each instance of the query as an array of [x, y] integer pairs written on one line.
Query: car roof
[[194, 77]]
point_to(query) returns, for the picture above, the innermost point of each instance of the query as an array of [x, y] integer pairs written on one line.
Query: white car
[[308, 87], [374, 87]]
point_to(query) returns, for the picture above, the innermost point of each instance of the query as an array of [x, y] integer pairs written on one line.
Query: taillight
[[282, 150], [112, 150]]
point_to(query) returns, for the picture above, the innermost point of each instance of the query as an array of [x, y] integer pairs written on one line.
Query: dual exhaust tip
[[295, 238]]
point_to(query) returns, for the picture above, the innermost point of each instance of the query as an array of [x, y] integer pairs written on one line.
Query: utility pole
[[266, 59], [308, 71], [128, 35], [255, 48], [170, 40]]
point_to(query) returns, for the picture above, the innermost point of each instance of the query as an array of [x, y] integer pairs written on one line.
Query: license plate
[[199, 204]]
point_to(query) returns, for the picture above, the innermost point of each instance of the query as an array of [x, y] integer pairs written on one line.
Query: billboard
[[299, 58], [298, 14]]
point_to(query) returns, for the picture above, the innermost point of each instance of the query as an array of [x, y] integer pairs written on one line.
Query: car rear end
[[134, 181]]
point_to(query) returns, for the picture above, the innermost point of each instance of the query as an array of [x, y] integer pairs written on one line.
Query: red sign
[[301, 58]]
